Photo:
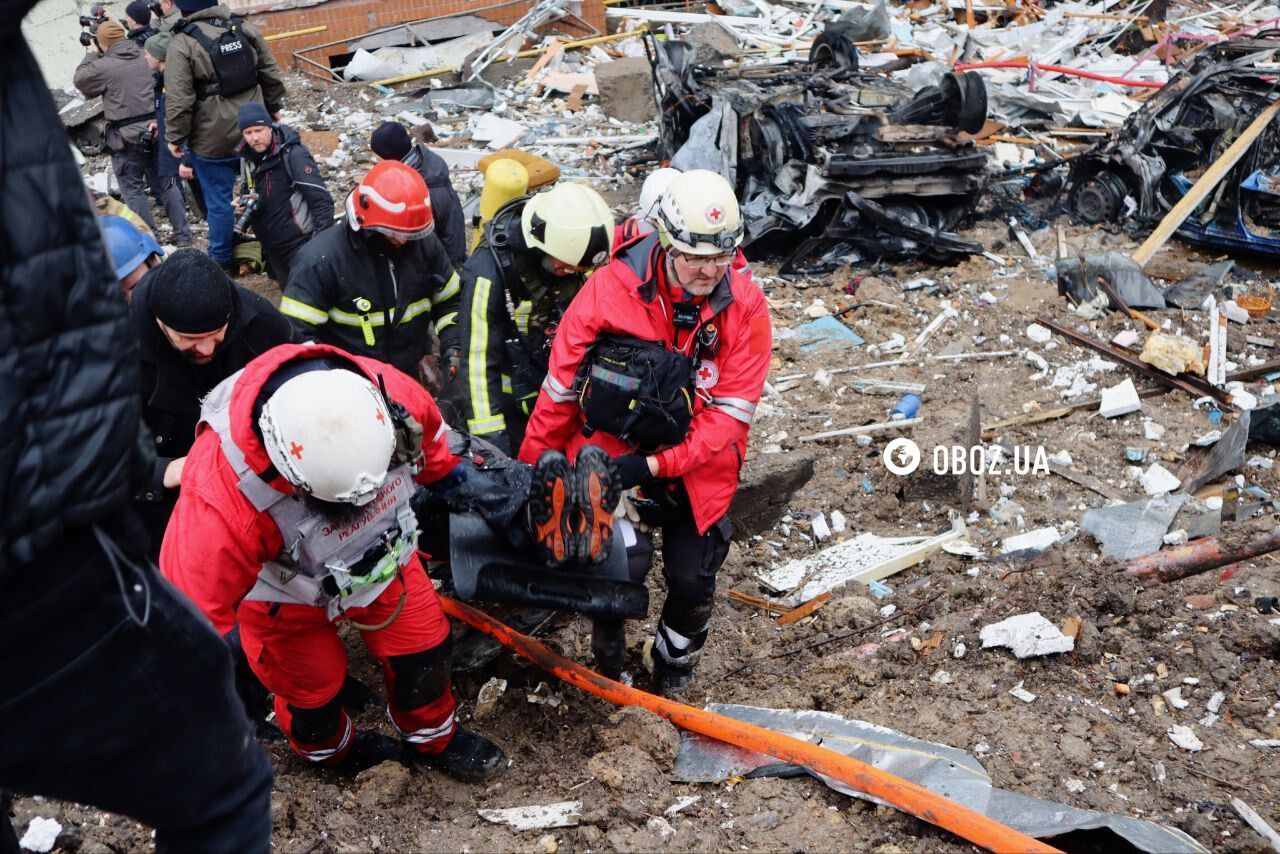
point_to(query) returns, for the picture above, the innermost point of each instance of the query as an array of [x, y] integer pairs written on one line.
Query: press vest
[[328, 563]]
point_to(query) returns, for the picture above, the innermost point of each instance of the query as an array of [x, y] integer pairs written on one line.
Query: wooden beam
[[1212, 176]]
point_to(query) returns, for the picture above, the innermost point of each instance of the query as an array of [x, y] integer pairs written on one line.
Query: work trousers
[[118, 694], [296, 651], [132, 165], [690, 562], [136, 170], [218, 176]]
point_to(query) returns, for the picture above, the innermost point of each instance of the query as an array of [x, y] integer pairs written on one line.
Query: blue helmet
[[127, 246]]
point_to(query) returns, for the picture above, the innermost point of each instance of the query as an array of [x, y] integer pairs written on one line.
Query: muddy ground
[[1081, 741]]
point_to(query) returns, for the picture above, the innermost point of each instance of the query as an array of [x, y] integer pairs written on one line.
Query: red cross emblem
[[708, 374], [295, 449], [714, 214], [381, 418]]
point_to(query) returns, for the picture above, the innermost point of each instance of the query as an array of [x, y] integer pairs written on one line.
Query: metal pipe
[[274, 37], [1198, 557]]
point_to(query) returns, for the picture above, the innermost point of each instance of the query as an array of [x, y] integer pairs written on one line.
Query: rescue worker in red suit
[[294, 513], [661, 360]]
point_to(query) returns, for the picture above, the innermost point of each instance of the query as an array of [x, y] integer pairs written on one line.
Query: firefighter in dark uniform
[[515, 287]]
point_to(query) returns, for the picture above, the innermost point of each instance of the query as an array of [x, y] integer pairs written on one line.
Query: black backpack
[[235, 63], [637, 390]]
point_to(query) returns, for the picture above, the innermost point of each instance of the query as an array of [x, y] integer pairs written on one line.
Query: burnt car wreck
[[833, 165], [1163, 147]]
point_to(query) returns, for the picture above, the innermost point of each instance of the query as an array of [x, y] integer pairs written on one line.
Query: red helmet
[[391, 199]]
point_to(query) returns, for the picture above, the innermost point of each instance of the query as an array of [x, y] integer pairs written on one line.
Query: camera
[[249, 206], [97, 14]]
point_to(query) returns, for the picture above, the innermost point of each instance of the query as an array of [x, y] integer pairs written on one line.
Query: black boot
[[369, 749], [469, 757]]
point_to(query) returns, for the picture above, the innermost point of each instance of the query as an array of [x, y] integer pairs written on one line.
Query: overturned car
[[833, 165], [1153, 160]]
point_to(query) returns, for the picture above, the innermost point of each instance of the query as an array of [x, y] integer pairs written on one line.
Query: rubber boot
[[468, 756]]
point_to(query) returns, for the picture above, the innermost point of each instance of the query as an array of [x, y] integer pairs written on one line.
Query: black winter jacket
[[446, 207], [293, 201], [68, 380], [510, 302], [354, 290], [173, 386]]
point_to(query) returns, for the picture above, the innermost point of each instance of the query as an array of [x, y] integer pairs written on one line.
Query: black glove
[[633, 470]]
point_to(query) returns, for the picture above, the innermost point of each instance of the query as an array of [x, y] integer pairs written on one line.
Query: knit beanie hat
[[189, 6], [158, 45], [108, 33], [190, 293], [253, 114], [390, 141], [139, 12]]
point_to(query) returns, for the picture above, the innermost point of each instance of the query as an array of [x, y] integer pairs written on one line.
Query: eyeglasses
[[715, 262]]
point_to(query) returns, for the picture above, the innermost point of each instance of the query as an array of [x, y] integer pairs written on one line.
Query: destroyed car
[[833, 165], [1145, 168]]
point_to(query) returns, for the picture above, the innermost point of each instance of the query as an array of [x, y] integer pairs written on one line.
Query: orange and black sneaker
[[550, 508], [595, 496]]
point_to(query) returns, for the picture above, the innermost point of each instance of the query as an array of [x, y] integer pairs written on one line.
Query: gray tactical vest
[[325, 563]]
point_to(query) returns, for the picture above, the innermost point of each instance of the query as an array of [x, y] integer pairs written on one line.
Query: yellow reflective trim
[[450, 289], [414, 309], [491, 424], [447, 321], [348, 319], [477, 349], [506, 384], [521, 316], [291, 307]]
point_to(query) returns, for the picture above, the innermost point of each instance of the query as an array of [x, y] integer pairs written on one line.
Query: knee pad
[[421, 676], [314, 726]]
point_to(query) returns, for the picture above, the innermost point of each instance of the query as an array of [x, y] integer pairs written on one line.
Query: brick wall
[[348, 19]]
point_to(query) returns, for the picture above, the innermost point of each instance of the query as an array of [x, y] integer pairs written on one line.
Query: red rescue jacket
[[216, 541], [624, 298]]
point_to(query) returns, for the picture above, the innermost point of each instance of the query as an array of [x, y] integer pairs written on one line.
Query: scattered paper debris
[[1185, 738], [41, 835], [1028, 635]]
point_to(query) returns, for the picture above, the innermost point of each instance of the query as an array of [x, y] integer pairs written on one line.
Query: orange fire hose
[[906, 796]]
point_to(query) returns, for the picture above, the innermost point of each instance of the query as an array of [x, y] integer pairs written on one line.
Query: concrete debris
[[1037, 540], [1028, 635], [1158, 480], [41, 835], [1119, 400], [563, 814], [1184, 737]]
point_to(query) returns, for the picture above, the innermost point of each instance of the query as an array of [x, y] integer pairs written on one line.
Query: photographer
[[114, 68], [282, 194], [138, 16]]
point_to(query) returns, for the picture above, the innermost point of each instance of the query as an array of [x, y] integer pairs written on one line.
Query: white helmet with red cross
[[328, 432], [699, 215]]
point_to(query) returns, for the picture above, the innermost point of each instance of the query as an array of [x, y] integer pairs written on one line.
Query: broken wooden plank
[[1206, 183], [989, 432], [1192, 385], [865, 428], [798, 614], [759, 602]]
